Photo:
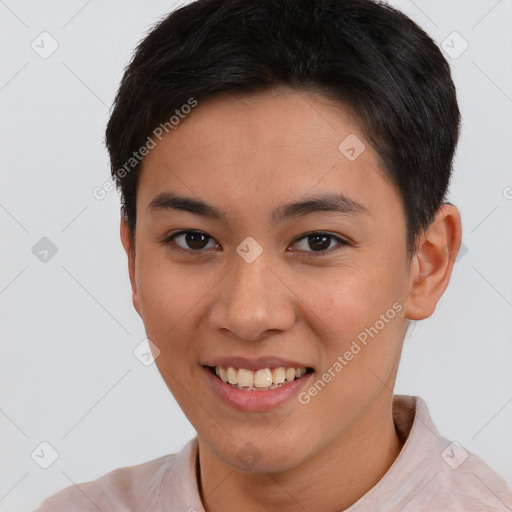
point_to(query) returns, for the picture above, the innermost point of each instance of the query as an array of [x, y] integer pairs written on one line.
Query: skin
[[247, 155]]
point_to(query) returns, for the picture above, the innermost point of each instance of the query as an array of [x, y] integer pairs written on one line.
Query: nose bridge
[[252, 300], [250, 282]]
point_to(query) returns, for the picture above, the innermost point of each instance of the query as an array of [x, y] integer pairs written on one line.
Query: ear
[[432, 265], [128, 244]]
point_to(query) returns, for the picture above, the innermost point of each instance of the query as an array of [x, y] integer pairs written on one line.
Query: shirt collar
[[413, 424]]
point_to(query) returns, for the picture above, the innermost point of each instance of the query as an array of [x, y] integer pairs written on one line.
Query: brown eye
[[192, 240], [318, 242], [196, 240]]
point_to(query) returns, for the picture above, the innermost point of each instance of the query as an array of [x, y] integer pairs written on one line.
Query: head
[[283, 166]]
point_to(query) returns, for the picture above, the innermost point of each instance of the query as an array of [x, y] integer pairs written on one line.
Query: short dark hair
[[367, 55]]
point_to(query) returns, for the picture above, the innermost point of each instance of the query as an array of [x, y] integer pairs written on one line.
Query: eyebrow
[[168, 201], [336, 203]]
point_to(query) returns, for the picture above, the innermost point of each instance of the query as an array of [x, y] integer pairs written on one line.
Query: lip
[[255, 401], [254, 364]]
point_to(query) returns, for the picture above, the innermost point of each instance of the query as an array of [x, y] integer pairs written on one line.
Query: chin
[[258, 459]]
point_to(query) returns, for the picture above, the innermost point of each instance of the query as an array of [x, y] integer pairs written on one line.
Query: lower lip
[[255, 401]]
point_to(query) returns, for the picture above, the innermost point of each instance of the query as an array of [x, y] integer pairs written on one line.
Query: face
[[262, 243]]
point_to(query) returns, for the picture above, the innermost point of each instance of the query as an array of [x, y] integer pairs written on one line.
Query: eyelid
[[341, 242], [167, 239]]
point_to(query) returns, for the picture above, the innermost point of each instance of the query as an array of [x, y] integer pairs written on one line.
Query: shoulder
[[435, 473], [472, 485], [432, 473], [120, 490]]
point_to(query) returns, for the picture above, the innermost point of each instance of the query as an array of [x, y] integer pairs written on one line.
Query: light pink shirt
[[430, 474]]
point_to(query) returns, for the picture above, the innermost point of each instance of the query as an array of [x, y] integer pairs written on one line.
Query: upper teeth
[[264, 378]]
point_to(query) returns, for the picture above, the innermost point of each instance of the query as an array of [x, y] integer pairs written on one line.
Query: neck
[[331, 481]]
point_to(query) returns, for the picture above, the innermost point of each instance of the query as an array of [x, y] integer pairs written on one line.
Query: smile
[[263, 379]]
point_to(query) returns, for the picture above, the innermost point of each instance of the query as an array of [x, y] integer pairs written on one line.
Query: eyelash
[[169, 240]]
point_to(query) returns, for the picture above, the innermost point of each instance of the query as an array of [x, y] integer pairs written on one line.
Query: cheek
[[349, 298], [171, 300], [358, 311], [173, 305]]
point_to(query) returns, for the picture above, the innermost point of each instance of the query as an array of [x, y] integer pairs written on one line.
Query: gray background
[[68, 375]]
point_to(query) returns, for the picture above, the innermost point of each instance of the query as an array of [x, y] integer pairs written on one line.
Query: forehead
[[296, 122], [268, 147]]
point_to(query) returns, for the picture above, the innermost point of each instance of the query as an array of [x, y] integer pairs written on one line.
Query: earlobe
[[126, 240], [432, 265]]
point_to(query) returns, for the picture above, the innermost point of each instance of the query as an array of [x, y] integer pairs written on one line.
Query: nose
[[253, 302]]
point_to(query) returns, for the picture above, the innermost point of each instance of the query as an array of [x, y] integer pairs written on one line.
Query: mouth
[[263, 379]]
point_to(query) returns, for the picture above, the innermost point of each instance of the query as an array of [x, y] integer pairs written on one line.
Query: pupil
[[196, 240], [319, 242]]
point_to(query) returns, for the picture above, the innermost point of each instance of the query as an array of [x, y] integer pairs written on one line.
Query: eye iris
[[319, 242], [196, 240]]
